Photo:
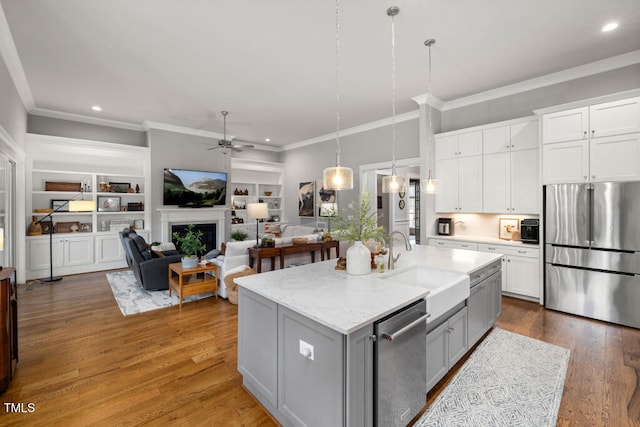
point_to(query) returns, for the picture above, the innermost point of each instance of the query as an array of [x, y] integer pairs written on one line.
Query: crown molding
[[569, 74], [589, 101], [11, 59], [147, 125], [431, 101], [411, 115], [85, 119]]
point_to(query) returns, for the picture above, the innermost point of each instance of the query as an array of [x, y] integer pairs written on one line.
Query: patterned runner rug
[[510, 380], [132, 299]]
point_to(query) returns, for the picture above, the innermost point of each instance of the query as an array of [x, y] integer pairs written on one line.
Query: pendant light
[[338, 177], [393, 183], [432, 185]]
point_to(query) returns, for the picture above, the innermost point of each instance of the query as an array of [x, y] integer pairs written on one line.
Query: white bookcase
[[256, 179], [84, 241]]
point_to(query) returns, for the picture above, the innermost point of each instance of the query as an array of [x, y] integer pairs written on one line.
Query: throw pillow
[[211, 254]]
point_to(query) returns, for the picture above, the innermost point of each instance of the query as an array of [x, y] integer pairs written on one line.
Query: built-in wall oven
[[400, 364]]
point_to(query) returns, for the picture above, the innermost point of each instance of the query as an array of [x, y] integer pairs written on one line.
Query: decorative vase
[[189, 261], [358, 259], [34, 229]]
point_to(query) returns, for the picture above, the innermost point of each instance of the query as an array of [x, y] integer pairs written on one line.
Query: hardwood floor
[[83, 363]]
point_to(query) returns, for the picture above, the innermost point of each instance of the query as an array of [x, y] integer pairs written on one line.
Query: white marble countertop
[[485, 239], [345, 302]]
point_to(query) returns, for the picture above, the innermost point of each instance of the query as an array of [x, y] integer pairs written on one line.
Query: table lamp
[[257, 211]]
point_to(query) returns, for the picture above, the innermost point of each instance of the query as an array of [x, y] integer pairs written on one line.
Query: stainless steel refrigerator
[[592, 244]]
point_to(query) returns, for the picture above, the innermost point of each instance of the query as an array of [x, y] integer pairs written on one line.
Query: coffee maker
[[445, 226]]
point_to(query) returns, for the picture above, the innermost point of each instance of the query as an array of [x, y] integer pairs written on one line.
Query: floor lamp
[[74, 206], [257, 211]]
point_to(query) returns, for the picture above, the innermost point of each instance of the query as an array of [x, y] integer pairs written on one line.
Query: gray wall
[[373, 146], [523, 104], [13, 116], [70, 129], [255, 154], [180, 151]]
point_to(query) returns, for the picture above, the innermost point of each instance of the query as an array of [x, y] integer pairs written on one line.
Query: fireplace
[[208, 230], [171, 217]]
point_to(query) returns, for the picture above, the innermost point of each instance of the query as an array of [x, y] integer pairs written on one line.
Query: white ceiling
[[271, 64]]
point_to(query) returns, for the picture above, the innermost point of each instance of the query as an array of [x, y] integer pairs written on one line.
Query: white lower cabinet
[[520, 269], [446, 344], [65, 252], [75, 253]]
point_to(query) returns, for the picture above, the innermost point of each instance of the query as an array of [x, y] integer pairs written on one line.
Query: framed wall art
[[305, 199], [108, 204], [325, 201]]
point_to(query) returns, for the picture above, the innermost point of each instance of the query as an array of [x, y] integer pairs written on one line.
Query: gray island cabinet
[[305, 348], [324, 384]]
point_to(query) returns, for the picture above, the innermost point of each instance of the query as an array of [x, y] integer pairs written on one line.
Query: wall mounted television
[[192, 188]]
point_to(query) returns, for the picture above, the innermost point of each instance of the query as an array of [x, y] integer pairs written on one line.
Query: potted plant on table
[[190, 245], [357, 224]]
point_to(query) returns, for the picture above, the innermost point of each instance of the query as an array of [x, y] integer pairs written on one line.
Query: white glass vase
[[358, 259]]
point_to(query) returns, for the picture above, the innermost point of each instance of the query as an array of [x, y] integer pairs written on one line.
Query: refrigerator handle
[[590, 200]]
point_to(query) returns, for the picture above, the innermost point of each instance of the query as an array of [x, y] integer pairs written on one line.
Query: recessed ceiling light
[[610, 27], [267, 139], [96, 108]]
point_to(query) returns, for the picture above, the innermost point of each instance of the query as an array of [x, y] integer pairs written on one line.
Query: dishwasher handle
[[404, 329]]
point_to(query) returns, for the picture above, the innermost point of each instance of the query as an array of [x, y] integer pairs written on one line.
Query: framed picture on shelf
[[305, 199], [60, 205], [120, 187], [138, 224], [507, 226], [108, 204], [85, 227]]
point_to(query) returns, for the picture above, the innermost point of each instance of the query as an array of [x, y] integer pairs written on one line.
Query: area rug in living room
[[132, 299], [509, 380]]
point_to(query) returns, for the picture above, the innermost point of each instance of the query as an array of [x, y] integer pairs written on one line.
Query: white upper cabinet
[[510, 168], [570, 125], [459, 169], [592, 144], [614, 118]]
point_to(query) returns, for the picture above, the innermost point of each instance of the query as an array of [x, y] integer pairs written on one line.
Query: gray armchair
[[151, 272]]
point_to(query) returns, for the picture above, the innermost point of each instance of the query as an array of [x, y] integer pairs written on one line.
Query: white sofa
[[237, 254]]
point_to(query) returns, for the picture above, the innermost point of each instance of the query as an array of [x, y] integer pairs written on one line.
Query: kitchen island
[[305, 346]]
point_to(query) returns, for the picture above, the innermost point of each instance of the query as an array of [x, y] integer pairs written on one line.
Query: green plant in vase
[[357, 224], [191, 246]]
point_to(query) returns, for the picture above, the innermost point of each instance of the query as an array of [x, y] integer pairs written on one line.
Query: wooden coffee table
[[192, 281]]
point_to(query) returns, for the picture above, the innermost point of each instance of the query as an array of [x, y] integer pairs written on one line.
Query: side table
[[192, 281], [258, 254]]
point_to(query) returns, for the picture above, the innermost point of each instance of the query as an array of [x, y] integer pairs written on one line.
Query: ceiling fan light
[[394, 184], [337, 178]]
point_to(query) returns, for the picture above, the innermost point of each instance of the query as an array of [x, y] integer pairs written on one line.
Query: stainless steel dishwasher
[[400, 364]]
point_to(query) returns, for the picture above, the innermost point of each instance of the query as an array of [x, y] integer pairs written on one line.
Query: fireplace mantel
[[174, 216]]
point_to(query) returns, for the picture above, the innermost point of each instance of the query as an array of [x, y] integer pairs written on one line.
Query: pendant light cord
[[393, 95], [338, 83]]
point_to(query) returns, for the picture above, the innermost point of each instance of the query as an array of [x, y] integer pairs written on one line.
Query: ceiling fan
[[225, 143]]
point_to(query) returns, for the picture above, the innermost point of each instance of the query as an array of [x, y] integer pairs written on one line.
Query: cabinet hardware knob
[[508, 260], [593, 132], [585, 133], [593, 176]]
